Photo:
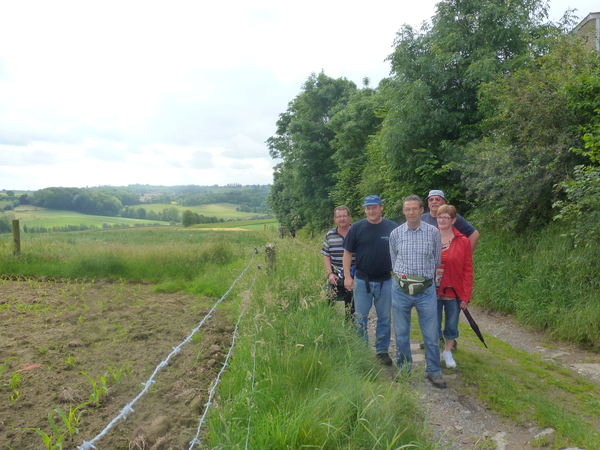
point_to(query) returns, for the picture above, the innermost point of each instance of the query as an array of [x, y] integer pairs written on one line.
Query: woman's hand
[[463, 305]]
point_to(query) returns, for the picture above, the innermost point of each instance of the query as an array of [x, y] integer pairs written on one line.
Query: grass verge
[[301, 376], [544, 281], [528, 388]]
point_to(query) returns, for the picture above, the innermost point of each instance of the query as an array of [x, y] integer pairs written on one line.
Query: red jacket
[[458, 272]]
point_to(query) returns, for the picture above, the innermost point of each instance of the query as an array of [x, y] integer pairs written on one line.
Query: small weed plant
[[54, 439], [118, 373], [99, 389], [72, 419]]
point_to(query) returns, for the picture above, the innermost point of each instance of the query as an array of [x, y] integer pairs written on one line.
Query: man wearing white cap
[[434, 200]]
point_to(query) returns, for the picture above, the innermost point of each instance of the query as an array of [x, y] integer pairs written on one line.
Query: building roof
[[589, 29]]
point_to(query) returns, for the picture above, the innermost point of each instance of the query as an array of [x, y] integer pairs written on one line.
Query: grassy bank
[[172, 256], [544, 280], [302, 378]]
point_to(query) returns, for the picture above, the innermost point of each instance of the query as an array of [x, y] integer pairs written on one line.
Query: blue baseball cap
[[372, 200]]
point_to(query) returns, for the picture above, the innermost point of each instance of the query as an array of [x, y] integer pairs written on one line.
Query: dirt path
[[464, 423]]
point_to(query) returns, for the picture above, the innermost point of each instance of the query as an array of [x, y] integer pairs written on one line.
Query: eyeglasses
[[341, 217], [444, 218]]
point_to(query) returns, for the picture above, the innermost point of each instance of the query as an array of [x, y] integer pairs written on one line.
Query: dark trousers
[[340, 293]]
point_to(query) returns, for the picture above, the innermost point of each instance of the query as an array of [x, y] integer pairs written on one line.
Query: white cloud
[[114, 92], [201, 160], [105, 153]]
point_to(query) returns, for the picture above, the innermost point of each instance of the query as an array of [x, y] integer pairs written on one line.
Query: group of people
[[425, 263], [281, 231]]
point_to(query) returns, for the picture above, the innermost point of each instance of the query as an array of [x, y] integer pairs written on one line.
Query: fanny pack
[[412, 285]]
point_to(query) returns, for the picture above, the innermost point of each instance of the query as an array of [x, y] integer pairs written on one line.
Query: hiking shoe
[[437, 380], [449, 360], [384, 359]]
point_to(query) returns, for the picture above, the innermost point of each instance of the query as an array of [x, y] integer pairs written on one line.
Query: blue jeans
[[426, 306], [451, 324], [380, 295]]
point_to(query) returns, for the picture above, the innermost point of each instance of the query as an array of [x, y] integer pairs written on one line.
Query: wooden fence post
[[270, 255], [16, 237]]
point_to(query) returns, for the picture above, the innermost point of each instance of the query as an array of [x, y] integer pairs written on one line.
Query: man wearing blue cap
[[368, 240]]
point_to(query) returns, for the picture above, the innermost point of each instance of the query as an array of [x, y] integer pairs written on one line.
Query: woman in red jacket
[[456, 270]]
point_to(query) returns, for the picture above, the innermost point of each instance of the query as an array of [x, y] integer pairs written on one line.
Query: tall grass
[[302, 377], [155, 255], [544, 280]]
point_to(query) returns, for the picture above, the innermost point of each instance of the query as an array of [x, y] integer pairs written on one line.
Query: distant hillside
[[116, 201]]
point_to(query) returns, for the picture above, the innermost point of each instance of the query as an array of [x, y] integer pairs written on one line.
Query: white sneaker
[[449, 360]]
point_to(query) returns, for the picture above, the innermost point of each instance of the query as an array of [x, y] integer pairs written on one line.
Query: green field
[[245, 224], [42, 217], [219, 210]]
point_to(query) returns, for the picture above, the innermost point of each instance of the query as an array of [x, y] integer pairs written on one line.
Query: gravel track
[[462, 422]]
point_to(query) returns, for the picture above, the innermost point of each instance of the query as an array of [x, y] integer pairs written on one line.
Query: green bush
[[544, 280]]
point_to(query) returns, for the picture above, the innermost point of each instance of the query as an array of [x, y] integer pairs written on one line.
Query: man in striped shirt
[[333, 254], [416, 250]]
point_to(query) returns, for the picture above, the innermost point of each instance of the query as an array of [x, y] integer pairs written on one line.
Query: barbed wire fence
[[251, 395], [128, 408], [213, 389]]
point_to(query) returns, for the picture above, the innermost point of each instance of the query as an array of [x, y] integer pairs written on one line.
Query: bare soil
[[58, 328]]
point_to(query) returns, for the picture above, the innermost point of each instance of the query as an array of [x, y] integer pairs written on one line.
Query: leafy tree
[[5, 223], [128, 212], [581, 208], [432, 97], [187, 218], [91, 201], [55, 198], [305, 178], [354, 127], [531, 124], [24, 199], [171, 214]]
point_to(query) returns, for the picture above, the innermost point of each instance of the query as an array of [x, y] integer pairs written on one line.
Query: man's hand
[[349, 283], [332, 278]]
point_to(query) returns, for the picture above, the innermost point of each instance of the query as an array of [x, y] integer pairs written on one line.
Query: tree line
[[121, 201], [490, 102]]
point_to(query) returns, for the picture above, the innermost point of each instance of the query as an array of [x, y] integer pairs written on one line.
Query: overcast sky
[[179, 92]]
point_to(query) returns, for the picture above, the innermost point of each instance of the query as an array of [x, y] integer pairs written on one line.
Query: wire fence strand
[[128, 409], [213, 389]]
